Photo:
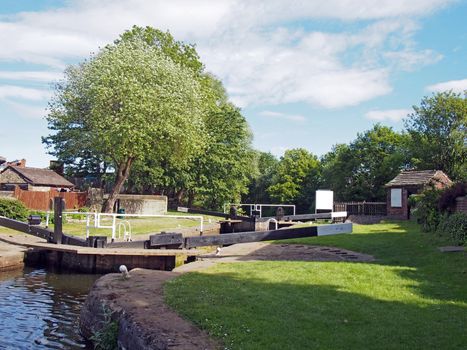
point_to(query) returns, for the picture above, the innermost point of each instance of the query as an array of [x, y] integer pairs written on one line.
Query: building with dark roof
[[32, 179], [410, 182]]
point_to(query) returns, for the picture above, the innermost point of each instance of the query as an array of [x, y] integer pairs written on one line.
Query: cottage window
[[396, 197]]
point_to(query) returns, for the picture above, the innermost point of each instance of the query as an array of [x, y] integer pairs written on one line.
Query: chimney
[[22, 163]]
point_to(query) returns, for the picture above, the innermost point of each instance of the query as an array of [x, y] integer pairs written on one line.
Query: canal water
[[40, 309]]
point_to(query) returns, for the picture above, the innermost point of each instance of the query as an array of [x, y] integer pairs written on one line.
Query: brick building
[[32, 179], [411, 182]]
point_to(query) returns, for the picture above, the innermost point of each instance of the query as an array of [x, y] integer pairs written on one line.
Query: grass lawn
[[412, 297]]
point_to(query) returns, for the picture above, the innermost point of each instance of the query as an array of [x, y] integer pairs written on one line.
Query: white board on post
[[324, 200]]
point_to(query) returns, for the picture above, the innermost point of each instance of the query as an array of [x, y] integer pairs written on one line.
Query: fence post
[[59, 205]]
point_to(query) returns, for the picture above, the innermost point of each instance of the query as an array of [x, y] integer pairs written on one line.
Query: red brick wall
[[398, 213]]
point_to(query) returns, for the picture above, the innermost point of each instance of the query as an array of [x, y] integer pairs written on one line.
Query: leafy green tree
[[360, 170], [127, 103], [297, 178], [261, 178], [438, 129], [220, 172]]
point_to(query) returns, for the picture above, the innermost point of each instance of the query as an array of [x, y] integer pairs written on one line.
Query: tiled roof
[[41, 177], [418, 178]]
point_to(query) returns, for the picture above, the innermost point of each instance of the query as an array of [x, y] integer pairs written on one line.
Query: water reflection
[[39, 309]]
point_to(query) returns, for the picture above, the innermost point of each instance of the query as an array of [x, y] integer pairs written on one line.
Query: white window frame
[[396, 197]]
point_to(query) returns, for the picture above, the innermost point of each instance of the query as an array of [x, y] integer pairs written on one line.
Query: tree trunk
[[179, 195], [123, 172], [191, 199]]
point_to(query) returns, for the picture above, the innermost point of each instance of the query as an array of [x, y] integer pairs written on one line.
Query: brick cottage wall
[[397, 213]]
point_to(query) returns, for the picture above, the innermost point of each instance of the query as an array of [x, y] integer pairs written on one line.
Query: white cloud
[[409, 60], [284, 116], [45, 76], [393, 115], [11, 91], [250, 45], [458, 86]]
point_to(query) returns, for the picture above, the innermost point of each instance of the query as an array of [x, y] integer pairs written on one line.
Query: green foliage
[[296, 179], [106, 337], [13, 209], [437, 129], [426, 209], [454, 227], [359, 171], [129, 102], [261, 178]]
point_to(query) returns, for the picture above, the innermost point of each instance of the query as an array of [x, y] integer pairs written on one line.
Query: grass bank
[[412, 297]]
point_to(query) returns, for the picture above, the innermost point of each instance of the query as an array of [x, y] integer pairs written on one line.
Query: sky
[[306, 73]]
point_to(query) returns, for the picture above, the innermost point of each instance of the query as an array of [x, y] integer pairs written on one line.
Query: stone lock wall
[[143, 204]]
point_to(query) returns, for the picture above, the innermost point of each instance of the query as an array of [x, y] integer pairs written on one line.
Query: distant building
[[411, 182], [32, 179]]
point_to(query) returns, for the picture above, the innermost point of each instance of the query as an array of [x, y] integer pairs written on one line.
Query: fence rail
[[362, 208]]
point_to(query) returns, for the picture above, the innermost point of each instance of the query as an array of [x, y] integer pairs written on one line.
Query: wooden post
[[59, 205]]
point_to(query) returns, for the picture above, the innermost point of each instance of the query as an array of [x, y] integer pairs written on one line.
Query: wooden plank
[[24, 227], [257, 236], [31, 243], [164, 239], [58, 208], [252, 236], [304, 217]]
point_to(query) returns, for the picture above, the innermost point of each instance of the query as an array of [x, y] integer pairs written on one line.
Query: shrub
[[454, 226], [13, 209], [426, 211]]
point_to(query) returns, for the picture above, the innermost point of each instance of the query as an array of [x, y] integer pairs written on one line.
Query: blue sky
[[305, 73]]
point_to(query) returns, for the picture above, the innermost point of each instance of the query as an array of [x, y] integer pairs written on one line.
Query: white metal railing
[[97, 222], [258, 207]]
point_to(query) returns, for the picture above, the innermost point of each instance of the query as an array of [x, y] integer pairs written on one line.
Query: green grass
[[412, 297]]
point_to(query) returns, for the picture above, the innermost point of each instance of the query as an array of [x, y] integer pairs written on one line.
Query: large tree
[[297, 178], [438, 129], [127, 103], [261, 177], [220, 172], [360, 170]]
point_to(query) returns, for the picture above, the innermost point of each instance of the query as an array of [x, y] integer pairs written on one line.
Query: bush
[[13, 209], [426, 209], [454, 226]]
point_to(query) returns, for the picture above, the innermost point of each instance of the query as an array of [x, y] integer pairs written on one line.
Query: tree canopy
[[297, 178], [360, 170], [127, 103], [438, 129]]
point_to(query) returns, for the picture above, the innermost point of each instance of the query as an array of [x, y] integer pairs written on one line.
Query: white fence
[[94, 220]]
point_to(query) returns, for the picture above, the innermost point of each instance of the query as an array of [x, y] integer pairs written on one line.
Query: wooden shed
[[411, 182]]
